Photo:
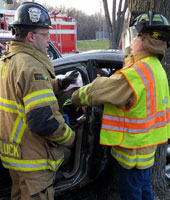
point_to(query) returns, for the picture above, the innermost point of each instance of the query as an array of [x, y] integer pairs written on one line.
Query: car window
[[53, 52], [82, 79]]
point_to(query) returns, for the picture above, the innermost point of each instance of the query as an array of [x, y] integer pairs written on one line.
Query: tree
[[87, 25], [15, 4], [160, 186], [115, 25]]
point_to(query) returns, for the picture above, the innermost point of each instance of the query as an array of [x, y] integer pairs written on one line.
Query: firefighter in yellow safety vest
[[136, 116], [33, 132]]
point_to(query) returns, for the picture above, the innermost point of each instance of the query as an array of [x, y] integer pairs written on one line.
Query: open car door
[[88, 158]]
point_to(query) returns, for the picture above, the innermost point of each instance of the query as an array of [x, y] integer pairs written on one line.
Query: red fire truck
[[63, 33]]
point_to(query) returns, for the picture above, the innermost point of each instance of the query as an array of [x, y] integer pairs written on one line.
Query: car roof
[[101, 56]]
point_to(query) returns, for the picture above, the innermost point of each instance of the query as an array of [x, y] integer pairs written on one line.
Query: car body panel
[[101, 55]]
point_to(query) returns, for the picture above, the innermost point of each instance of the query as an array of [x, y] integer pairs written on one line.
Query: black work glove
[[70, 79], [74, 113], [69, 108]]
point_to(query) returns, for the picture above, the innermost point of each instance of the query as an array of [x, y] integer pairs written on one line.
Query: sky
[[87, 6]]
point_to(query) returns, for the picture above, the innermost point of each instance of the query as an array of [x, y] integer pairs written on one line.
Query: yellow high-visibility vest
[[147, 122]]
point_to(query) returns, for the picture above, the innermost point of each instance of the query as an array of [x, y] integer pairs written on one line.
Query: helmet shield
[[31, 14], [127, 37]]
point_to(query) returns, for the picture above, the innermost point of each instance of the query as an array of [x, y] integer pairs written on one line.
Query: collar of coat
[[18, 47], [132, 58]]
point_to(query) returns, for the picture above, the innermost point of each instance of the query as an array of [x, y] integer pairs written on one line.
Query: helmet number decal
[[34, 14]]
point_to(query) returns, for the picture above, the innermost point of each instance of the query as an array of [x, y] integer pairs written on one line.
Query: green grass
[[85, 45]]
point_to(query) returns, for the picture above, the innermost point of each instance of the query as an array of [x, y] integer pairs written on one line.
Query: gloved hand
[[74, 113], [69, 108], [70, 79]]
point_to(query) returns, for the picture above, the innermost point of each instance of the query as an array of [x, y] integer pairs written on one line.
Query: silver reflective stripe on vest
[[65, 138], [114, 128], [153, 83], [30, 165], [168, 111], [46, 164], [113, 118], [128, 130], [19, 127], [130, 120], [141, 121], [132, 160], [83, 95], [41, 96], [147, 88], [10, 106], [143, 130]]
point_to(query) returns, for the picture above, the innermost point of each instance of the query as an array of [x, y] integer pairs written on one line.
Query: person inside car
[[136, 102], [33, 131]]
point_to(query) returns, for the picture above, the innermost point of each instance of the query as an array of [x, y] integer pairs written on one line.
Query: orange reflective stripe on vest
[[133, 125], [147, 76], [147, 122]]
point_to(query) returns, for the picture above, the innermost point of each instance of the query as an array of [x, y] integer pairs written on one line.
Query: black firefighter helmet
[[150, 22], [31, 14]]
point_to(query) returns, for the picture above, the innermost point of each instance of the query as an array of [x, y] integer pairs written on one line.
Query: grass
[[85, 45]]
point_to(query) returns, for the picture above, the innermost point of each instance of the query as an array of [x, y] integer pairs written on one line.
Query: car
[[86, 165], [90, 160], [53, 52], [6, 37]]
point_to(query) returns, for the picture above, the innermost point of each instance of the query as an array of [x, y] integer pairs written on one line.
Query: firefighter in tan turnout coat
[[136, 116], [33, 132]]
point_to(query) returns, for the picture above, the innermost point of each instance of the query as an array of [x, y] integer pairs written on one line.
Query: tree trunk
[[115, 25], [159, 184], [108, 22]]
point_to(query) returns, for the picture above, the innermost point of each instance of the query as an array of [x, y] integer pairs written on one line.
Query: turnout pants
[[134, 184], [32, 185]]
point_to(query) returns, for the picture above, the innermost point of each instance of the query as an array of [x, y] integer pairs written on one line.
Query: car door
[[86, 164]]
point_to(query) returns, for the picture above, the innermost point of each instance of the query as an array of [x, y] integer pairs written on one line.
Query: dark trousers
[[134, 184]]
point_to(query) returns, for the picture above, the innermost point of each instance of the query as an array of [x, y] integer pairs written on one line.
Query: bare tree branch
[[115, 27]]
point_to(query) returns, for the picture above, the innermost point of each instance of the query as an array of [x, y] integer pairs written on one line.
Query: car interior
[[86, 151]]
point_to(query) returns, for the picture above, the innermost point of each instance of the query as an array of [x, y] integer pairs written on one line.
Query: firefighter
[[136, 115], [33, 132]]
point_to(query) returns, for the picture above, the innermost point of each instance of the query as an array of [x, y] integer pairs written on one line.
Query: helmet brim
[[16, 23], [156, 27]]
